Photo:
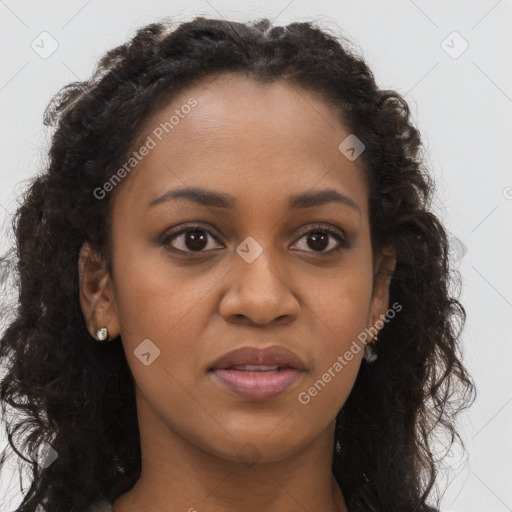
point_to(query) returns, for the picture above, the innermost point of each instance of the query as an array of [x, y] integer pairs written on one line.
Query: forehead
[[248, 139]]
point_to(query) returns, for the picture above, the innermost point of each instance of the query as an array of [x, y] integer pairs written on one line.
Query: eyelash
[[334, 232]]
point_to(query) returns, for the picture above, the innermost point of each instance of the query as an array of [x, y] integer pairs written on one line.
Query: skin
[[260, 144]]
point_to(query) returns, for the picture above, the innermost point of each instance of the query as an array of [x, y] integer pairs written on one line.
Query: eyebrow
[[221, 200]]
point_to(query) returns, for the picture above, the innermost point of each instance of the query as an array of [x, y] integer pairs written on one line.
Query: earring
[[375, 339], [370, 350], [102, 334]]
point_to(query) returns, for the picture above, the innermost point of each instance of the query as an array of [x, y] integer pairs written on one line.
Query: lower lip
[[257, 386]]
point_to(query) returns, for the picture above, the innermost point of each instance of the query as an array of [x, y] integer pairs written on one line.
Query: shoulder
[[97, 506], [100, 506], [366, 499]]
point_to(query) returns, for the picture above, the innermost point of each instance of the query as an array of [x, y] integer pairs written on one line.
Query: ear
[[96, 293], [384, 267]]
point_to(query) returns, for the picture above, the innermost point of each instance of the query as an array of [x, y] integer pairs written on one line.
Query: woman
[[233, 293]]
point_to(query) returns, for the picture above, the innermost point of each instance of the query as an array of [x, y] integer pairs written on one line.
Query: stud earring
[[102, 334], [370, 350]]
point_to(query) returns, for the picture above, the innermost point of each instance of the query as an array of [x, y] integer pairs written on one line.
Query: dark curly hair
[[78, 395]]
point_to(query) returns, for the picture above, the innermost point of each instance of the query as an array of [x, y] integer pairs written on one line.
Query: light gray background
[[461, 105]]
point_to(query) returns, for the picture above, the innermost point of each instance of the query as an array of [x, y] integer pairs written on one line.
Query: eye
[[318, 239], [195, 239], [190, 239]]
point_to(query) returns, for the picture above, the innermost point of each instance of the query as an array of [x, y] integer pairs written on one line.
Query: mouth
[[256, 382], [257, 374], [256, 368]]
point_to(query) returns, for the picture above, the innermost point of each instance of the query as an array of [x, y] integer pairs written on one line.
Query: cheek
[[156, 300], [339, 310], [326, 391], [341, 304], [170, 307], [337, 354], [337, 357]]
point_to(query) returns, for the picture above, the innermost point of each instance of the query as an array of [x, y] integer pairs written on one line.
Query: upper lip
[[270, 356]]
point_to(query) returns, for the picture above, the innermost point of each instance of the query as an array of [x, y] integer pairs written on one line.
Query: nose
[[258, 294]]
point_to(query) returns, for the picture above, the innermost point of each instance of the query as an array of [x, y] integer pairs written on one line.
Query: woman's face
[[246, 273]]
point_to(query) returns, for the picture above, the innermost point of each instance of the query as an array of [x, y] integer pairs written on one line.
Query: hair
[[78, 396]]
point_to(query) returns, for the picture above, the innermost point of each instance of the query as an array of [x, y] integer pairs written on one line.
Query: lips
[[257, 368], [255, 374], [274, 356]]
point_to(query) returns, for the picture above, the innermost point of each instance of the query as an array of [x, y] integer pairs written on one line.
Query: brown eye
[[196, 239], [322, 240], [191, 239]]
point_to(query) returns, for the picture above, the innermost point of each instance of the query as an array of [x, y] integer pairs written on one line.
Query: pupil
[[323, 238], [195, 240]]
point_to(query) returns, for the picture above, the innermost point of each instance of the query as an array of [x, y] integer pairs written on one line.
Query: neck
[[176, 474]]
